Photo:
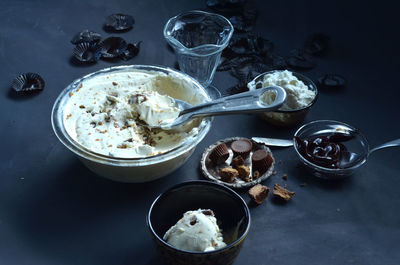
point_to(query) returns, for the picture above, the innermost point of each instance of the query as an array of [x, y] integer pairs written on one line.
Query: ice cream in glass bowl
[[301, 93], [103, 118]]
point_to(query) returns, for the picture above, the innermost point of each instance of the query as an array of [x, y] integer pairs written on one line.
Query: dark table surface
[[53, 210]]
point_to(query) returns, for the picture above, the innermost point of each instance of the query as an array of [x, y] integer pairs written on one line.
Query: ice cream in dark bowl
[[198, 222]]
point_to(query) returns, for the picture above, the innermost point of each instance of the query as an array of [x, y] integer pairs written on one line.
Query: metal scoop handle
[[385, 145], [247, 102]]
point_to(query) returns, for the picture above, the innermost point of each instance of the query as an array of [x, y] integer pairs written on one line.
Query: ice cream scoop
[[246, 102]]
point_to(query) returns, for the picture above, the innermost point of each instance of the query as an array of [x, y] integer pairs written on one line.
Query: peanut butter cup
[[261, 160], [219, 154], [241, 147]]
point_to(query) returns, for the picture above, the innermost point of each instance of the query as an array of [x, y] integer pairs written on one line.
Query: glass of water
[[198, 39]]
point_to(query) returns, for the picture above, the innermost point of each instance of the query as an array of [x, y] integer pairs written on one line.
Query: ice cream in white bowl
[[101, 117]]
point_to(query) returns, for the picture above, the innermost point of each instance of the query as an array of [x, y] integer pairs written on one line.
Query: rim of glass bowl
[[331, 170], [174, 42], [57, 121], [307, 81], [199, 182]]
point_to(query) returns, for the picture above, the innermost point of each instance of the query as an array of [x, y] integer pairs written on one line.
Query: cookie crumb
[[282, 193], [258, 193], [244, 172], [228, 174], [237, 161]]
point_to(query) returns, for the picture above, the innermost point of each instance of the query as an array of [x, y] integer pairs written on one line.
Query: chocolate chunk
[[219, 154], [193, 220], [237, 161], [208, 212], [258, 193], [261, 160], [228, 174], [284, 177], [282, 193], [241, 147]]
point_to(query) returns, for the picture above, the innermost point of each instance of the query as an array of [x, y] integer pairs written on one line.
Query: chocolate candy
[[219, 154], [261, 160], [241, 147]]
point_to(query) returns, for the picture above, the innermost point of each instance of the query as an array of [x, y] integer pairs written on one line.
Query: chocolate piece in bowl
[[237, 161], [258, 193], [241, 147], [261, 161], [219, 154]]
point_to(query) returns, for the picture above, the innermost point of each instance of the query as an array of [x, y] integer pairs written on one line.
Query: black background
[[55, 211]]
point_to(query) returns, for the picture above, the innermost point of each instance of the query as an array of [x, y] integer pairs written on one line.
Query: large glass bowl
[[134, 169], [280, 117]]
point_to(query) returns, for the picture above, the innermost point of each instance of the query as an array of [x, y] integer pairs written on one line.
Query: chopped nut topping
[[115, 83], [122, 146], [80, 86], [69, 116], [82, 106], [208, 212], [70, 94]]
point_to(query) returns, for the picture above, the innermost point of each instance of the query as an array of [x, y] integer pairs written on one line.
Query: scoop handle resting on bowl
[[385, 145], [246, 102]]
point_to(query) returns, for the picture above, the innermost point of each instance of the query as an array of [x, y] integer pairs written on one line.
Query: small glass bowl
[[357, 146], [285, 118]]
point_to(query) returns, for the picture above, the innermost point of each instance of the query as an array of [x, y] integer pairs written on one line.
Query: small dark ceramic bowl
[[231, 212]]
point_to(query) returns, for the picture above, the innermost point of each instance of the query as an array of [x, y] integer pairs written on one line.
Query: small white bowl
[[133, 169]]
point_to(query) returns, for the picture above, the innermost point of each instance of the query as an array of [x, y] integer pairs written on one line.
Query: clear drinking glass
[[198, 39]]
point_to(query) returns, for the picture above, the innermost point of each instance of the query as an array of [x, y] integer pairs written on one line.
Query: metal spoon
[[350, 158], [246, 102]]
